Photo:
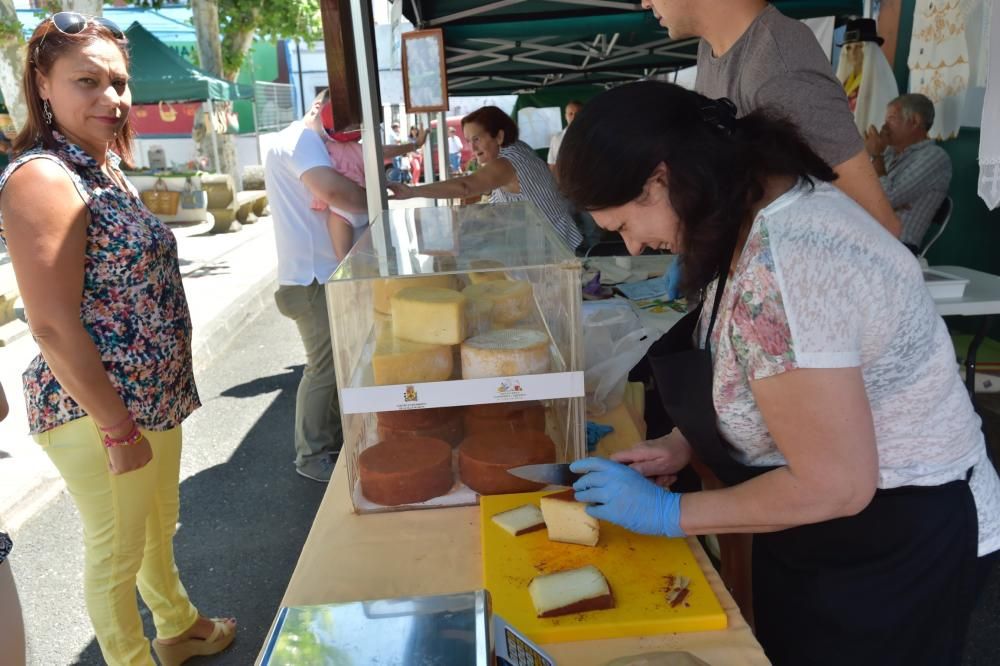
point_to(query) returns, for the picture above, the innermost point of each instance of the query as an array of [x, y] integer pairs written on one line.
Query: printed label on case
[[461, 392]]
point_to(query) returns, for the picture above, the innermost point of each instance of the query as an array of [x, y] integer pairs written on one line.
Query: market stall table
[[349, 557], [980, 299]]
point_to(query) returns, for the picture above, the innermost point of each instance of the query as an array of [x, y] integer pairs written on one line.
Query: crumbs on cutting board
[[676, 589]]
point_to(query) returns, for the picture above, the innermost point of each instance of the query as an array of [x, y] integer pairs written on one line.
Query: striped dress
[[539, 187]]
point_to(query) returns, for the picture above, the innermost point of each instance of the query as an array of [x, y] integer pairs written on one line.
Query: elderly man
[[915, 172]]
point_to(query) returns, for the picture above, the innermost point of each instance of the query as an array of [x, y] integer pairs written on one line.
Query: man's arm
[[857, 179], [914, 178], [336, 190]]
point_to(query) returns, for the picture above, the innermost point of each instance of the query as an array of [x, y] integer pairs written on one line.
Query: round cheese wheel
[[405, 470], [484, 458], [383, 289], [512, 299], [503, 417], [443, 423], [505, 352], [486, 271]]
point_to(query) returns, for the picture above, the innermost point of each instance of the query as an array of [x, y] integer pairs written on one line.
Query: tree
[[241, 19], [236, 22]]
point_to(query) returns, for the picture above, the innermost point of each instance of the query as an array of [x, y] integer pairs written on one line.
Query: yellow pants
[[129, 522]]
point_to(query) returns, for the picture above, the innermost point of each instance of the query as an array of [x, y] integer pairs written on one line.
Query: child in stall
[[348, 160]]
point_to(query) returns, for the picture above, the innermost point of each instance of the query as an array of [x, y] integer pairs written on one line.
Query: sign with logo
[[461, 392]]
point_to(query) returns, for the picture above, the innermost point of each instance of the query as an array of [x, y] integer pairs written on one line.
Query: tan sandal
[[175, 654]]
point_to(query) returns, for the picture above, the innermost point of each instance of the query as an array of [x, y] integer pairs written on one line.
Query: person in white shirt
[[297, 168], [454, 151], [572, 107]]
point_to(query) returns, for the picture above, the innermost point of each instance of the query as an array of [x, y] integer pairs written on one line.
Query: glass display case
[[457, 342]]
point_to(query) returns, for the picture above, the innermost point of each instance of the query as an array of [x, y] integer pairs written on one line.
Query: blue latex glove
[[673, 279], [619, 494], [595, 432]]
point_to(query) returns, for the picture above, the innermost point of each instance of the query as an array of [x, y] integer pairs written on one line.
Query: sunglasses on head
[[72, 23]]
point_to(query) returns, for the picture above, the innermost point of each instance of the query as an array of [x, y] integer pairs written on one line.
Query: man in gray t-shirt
[[760, 59]]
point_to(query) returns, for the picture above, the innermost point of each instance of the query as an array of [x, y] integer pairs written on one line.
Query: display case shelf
[[472, 313]]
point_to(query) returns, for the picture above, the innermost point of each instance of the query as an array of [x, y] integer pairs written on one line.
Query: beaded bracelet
[[131, 438], [117, 426]]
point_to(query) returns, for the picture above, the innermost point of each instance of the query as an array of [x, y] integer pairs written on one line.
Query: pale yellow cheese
[[567, 520], [521, 520], [385, 288], [403, 362], [429, 314], [512, 299], [570, 591], [505, 352]]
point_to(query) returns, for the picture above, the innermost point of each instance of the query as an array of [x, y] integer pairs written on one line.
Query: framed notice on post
[[425, 80]]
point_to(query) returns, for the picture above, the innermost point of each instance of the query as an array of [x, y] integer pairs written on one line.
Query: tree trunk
[[241, 43], [12, 66], [88, 7], [206, 25]]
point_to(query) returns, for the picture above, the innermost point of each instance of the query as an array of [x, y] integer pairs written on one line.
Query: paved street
[[244, 511]]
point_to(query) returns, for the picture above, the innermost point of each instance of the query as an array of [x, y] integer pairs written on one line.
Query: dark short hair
[[717, 171], [574, 102], [493, 120], [46, 46]]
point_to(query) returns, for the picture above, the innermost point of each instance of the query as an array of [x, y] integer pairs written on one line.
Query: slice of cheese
[[567, 520], [398, 361], [505, 352], [429, 314], [384, 289], [512, 299], [569, 592], [523, 519]]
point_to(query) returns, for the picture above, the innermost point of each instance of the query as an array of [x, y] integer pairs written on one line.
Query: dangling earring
[[47, 111]]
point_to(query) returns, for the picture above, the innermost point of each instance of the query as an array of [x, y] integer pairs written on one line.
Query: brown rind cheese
[[596, 603], [484, 458], [406, 470], [438, 423], [504, 416]]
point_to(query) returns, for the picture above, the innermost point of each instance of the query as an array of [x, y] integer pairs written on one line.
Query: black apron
[[892, 585]]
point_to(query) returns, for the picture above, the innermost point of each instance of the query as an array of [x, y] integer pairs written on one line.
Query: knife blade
[[556, 474]]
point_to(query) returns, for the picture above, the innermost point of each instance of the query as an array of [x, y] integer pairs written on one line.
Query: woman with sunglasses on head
[[815, 379], [100, 281]]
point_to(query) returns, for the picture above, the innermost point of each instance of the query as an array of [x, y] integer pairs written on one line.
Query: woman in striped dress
[[509, 171]]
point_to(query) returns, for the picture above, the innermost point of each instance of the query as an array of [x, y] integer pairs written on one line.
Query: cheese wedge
[[512, 299], [398, 361], [567, 520], [430, 315], [383, 289], [569, 592], [505, 352], [523, 519]]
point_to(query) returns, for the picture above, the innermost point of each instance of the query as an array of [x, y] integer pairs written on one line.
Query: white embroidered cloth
[[939, 60], [989, 137]]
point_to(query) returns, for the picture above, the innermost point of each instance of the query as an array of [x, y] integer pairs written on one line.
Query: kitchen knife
[[556, 474]]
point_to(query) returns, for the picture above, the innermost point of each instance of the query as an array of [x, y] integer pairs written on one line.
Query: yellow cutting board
[[636, 567]]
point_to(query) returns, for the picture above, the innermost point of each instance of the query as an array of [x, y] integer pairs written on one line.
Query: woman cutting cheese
[[509, 170], [815, 379]]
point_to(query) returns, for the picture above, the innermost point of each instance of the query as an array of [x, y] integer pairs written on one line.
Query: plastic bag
[[614, 341]]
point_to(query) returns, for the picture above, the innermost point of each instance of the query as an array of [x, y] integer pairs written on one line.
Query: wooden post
[[888, 28], [341, 64]]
